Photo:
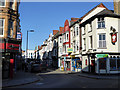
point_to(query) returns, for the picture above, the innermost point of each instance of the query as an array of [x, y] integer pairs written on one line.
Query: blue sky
[[44, 17]]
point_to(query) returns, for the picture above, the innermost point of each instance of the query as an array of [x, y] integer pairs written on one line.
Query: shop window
[[102, 63], [101, 22], [114, 63], [79, 64], [118, 64]]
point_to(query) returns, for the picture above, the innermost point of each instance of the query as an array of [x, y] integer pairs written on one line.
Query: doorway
[[92, 66]]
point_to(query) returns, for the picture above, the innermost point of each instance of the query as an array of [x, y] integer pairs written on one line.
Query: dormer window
[[101, 22]]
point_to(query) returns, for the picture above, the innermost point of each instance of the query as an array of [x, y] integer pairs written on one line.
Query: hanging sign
[[19, 35], [114, 38]]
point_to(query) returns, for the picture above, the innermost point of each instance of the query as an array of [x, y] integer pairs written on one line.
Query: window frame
[[116, 64], [101, 21], [2, 28], [4, 4], [102, 41], [77, 32], [67, 37], [60, 40]]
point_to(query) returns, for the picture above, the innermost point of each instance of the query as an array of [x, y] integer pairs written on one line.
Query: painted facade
[[99, 53]]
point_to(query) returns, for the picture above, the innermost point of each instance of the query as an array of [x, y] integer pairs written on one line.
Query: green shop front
[[108, 63]]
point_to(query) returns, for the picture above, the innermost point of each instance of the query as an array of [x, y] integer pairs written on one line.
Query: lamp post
[[27, 42]]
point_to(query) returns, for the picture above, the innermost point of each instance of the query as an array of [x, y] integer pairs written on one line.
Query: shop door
[[5, 67], [92, 66], [73, 64]]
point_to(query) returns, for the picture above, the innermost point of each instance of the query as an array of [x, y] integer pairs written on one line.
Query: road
[[70, 81]]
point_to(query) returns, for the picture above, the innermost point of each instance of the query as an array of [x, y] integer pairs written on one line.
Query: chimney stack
[[117, 7]]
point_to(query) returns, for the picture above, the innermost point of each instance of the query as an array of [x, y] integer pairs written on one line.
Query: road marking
[[39, 83]]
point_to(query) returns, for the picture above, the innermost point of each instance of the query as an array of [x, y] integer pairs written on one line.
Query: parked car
[[35, 67], [43, 66]]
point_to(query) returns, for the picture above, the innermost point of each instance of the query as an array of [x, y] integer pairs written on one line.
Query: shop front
[[76, 64], [10, 51], [108, 64], [66, 64]]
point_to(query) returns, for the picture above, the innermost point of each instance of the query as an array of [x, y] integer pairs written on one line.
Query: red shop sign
[[12, 46]]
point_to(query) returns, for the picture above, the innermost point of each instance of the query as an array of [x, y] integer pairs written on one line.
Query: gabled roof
[[104, 13], [55, 36], [108, 13], [100, 5]]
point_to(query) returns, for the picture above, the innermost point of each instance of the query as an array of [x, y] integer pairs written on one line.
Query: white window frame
[[13, 4], [2, 27], [60, 40], [4, 4], [74, 31], [102, 41], [101, 22], [77, 31], [67, 38]]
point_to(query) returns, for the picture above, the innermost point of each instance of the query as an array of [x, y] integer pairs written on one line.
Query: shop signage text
[[101, 55], [69, 50]]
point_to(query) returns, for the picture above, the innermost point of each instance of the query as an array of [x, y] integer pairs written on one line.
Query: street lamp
[[27, 42]]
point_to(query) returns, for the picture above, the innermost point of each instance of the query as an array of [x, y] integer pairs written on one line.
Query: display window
[[79, 64], [102, 63], [114, 63]]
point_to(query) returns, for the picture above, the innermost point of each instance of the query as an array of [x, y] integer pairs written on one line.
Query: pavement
[[23, 78], [97, 76], [20, 78]]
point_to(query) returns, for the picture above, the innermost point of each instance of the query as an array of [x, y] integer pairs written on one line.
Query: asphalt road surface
[[70, 81]]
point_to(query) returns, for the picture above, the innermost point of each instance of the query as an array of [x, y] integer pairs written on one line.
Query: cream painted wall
[[109, 21], [97, 10]]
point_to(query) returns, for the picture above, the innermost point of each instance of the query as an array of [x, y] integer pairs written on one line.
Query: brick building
[[10, 42]]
